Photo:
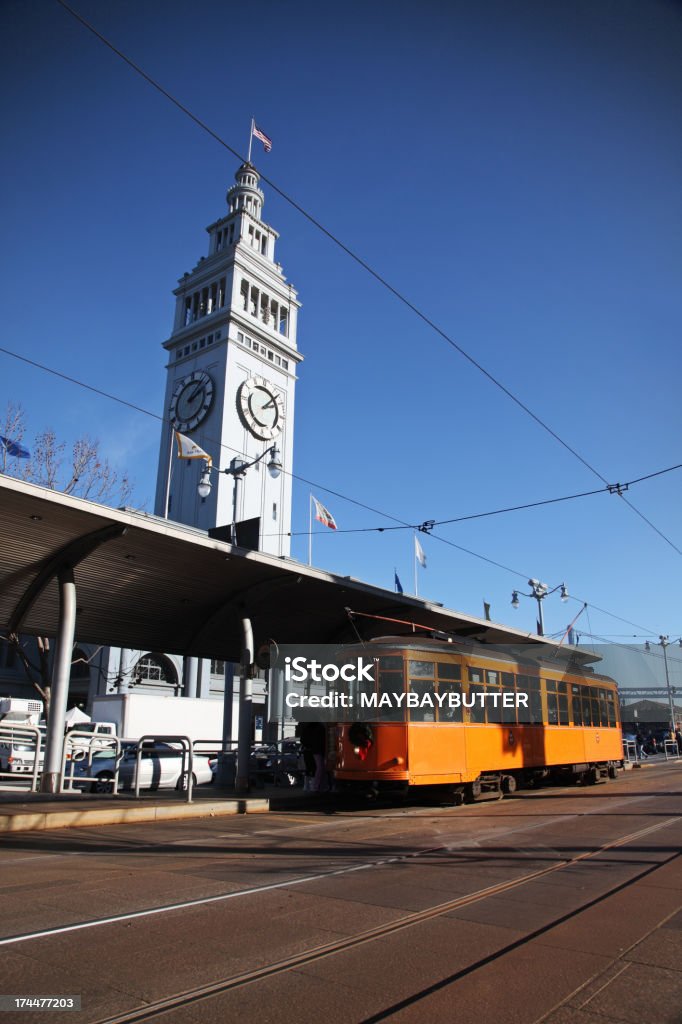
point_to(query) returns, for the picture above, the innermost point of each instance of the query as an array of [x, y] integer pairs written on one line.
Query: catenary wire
[[444, 540], [401, 524], [361, 262]]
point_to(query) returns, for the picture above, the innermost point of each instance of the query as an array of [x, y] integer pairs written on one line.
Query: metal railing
[[82, 746], [630, 750], [670, 749], [13, 736], [186, 776]]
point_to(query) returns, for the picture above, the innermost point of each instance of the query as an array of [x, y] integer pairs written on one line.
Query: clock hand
[[268, 404]]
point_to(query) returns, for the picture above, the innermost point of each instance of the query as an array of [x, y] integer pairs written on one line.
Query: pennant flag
[[14, 449], [571, 636], [538, 627], [267, 142], [397, 583], [486, 611], [323, 515], [188, 449], [419, 553]]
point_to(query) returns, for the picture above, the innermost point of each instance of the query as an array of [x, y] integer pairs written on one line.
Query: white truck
[[19, 720], [146, 714]]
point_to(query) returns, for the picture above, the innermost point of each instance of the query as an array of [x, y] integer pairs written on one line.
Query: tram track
[[225, 985]]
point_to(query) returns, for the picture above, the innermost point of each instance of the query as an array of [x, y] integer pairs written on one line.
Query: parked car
[[161, 767]]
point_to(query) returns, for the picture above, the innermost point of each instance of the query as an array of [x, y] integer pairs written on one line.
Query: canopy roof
[[150, 584]]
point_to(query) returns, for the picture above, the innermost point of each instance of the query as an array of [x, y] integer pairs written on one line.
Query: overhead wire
[[402, 524], [361, 262]]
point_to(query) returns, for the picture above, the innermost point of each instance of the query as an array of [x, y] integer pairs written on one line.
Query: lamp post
[[237, 470], [664, 642], [540, 591]]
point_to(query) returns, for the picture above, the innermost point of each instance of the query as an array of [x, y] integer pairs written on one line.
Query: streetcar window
[[508, 714], [611, 712], [587, 705], [423, 688], [392, 684], [491, 678], [562, 687], [449, 670], [551, 685], [475, 675], [390, 663], [534, 701], [446, 712], [533, 713], [477, 712], [494, 696], [552, 709], [421, 669], [603, 712], [577, 711], [563, 709], [595, 712]]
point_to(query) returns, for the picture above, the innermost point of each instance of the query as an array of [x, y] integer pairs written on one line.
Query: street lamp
[[665, 642], [237, 469], [540, 591]]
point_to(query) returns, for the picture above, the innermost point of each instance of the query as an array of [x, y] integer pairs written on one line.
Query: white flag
[[189, 449], [323, 515], [419, 553]]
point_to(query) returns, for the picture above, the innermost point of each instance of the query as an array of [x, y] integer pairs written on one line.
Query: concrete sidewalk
[[22, 812]]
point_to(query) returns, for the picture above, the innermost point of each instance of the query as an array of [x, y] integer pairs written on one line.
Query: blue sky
[[512, 168]]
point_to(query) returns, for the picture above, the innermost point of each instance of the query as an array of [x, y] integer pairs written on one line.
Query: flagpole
[[310, 529], [248, 159], [168, 474]]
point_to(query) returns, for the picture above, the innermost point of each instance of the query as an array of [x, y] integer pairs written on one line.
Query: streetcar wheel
[[613, 771], [508, 784], [591, 776], [473, 791]]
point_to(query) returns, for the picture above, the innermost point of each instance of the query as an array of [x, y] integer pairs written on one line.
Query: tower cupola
[[246, 195]]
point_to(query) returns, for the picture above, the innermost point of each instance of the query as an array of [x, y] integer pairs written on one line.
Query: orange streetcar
[[481, 718]]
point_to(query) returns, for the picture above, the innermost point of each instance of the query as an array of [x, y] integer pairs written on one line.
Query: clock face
[[192, 400], [261, 408]]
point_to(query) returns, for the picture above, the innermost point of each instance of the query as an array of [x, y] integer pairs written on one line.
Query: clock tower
[[231, 373]]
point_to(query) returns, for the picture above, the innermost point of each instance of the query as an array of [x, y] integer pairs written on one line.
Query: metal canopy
[[150, 584]]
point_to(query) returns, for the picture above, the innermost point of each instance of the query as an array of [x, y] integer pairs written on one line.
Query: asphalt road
[[558, 905]]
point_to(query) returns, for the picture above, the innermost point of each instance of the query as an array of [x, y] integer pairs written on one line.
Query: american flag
[[267, 142]]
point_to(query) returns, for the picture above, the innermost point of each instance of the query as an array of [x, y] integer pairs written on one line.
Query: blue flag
[[14, 449], [398, 584]]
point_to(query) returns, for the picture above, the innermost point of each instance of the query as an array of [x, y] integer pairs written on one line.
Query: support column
[[54, 747], [203, 677], [226, 776], [245, 701], [189, 672]]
